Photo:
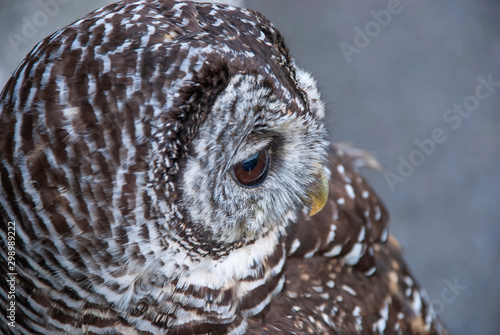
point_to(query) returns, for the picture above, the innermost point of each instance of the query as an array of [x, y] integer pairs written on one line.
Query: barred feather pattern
[[117, 134]]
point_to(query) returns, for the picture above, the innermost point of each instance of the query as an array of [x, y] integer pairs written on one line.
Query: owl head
[[157, 119], [251, 142]]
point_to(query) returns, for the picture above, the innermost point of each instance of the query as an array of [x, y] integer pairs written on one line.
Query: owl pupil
[[250, 163], [252, 172]]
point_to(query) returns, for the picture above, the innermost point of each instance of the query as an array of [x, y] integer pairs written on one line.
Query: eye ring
[[252, 171]]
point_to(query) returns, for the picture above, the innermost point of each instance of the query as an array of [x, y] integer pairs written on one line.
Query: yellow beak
[[319, 192]]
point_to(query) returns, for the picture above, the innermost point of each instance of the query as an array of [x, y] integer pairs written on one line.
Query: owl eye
[[252, 172]]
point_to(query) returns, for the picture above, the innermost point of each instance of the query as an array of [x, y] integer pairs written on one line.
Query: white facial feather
[[244, 111]]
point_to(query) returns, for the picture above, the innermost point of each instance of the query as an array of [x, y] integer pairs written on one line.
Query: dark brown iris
[[252, 172]]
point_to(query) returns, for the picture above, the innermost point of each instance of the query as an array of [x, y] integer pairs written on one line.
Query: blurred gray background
[[388, 85]]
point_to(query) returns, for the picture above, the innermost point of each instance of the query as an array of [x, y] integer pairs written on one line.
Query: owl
[[165, 170]]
